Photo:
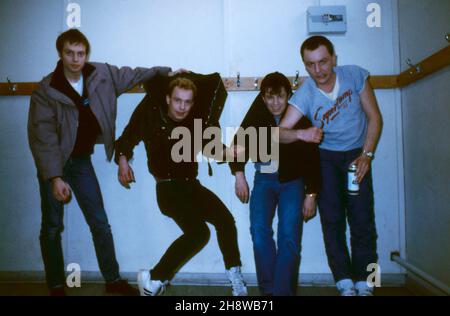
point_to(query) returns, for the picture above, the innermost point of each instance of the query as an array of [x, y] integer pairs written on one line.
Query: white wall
[[254, 37], [27, 31], [426, 114]]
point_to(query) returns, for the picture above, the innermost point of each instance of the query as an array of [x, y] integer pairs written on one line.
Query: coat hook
[[296, 79], [255, 83], [238, 82], [11, 86], [417, 68]]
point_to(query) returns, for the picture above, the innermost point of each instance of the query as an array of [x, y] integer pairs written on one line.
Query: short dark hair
[[72, 36], [274, 82], [182, 83], [314, 42]]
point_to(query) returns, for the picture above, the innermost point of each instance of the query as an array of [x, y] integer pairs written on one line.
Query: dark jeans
[[191, 205], [80, 175], [277, 266], [336, 206]]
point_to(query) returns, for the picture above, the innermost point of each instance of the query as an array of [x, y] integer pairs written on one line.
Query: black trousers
[[191, 206]]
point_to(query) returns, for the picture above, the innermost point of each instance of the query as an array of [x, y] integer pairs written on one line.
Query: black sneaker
[[121, 287]]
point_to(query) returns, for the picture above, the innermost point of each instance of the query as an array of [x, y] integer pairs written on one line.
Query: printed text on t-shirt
[[341, 103]]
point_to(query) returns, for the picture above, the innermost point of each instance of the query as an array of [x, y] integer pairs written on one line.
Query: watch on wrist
[[369, 154]]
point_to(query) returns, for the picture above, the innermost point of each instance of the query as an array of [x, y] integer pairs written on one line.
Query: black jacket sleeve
[[250, 119], [133, 132]]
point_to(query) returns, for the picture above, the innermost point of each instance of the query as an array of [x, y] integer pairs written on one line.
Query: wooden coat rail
[[425, 68]]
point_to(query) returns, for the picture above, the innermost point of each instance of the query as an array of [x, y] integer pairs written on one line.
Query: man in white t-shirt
[[340, 103]]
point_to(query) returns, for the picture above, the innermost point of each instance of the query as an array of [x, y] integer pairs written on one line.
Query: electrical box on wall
[[327, 19]]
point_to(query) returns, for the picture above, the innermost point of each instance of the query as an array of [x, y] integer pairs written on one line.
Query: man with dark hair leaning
[[341, 104], [290, 189], [180, 195], [73, 108]]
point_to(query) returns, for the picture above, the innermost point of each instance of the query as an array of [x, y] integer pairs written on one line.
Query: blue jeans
[[335, 207], [277, 268], [80, 175]]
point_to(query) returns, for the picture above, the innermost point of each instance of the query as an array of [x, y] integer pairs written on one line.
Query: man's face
[[276, 102], [180, 103], [319, 65], [73, 57]]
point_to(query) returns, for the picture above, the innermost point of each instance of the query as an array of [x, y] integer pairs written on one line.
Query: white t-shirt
[[333, 94], [78, 86]]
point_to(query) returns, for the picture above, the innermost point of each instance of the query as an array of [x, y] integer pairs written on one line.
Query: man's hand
[[126, 174], [61, 190], [241, 187], [363, 164], [310, 135], [309, 207], [179, 71]]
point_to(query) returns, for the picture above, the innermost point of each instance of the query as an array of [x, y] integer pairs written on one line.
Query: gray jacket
[[53, 117]]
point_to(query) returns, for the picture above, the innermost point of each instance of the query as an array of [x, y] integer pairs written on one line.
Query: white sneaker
[[238, 285], [346, 287], [362, 289], [149, 287]]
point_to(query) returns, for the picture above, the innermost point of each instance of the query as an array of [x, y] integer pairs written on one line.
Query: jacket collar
[[210, 98], [60, 88], [59, 81]]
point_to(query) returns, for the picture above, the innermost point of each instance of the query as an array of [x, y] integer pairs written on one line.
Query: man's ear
[[334, 60]]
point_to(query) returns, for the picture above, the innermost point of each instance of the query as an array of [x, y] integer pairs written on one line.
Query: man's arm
[[288, 135], [131, 136], [374, 125], [224, 153], [125, 78], [44, 145], [250, 120], [237, 168], [43, 137], [312, 180]]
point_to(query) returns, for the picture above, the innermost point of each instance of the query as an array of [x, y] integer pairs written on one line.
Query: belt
[[160, 180]]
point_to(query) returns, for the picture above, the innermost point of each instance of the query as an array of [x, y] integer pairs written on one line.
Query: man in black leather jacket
[[180, 195]]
